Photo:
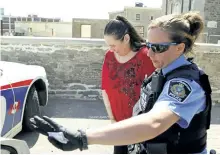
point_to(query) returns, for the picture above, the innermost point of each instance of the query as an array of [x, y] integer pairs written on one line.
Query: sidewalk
[[214, 131], [214, 137]]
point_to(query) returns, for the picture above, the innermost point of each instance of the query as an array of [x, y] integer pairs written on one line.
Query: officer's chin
[[156, 65]]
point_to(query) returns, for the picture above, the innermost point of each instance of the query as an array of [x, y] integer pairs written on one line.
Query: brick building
[[8, 22], [139, 16], [209, 9]]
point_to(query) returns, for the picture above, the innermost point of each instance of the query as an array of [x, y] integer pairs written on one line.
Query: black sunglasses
[[159, 47]]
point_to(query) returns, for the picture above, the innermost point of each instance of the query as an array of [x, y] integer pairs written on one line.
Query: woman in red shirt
[[125, 66]]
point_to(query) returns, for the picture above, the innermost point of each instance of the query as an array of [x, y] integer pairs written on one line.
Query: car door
[[7, 104]]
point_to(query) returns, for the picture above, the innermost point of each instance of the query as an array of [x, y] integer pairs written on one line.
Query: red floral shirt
[[122, 81]]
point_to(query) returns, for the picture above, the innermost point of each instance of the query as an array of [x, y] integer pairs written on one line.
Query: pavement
[[92, 114]]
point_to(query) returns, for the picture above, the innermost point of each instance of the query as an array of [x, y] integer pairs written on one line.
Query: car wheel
[[32, 108]]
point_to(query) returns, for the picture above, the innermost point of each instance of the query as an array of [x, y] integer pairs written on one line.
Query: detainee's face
[[118, 46], [161, 60]]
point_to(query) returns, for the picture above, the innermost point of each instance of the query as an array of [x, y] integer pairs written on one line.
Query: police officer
[[173, 112]]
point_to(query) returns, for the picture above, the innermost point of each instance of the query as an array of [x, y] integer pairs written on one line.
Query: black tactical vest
[[176, 139]]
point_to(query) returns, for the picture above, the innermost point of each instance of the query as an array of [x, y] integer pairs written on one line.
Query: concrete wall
[[74, 65], [44, 29], [97, 27]]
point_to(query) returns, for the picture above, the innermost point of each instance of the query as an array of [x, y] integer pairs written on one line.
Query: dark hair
[[119, 27], [182, 28]]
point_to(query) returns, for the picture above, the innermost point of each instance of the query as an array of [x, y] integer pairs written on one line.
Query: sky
[[67, 9]]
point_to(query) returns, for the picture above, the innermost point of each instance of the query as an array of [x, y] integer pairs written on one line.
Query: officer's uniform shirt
[[182, 96]]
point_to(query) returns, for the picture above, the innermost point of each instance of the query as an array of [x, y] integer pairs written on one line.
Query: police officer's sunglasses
[[160, 47]]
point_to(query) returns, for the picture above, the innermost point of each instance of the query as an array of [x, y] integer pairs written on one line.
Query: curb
[[215, 101], [67, 96]]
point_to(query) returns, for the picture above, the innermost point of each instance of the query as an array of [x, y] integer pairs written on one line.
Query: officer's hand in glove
[[60, 137], [40, 125]]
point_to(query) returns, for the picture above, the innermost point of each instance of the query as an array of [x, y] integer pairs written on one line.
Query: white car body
[[14, 145], [15, 81]]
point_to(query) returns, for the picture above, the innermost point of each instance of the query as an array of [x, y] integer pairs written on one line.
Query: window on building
[[138, 17], [24, 19], [12, 26], [140, 30], [29, 19], [192, 5], [56, 20], [85, 31], [142, 34], [43, 20], [171, 8], [52, 32], [166, 10], [13, 20], [30, 29], [50, 20], [176, 8], [5, 19], [151, 17], [18, 18], [36, 19], [5, 26]]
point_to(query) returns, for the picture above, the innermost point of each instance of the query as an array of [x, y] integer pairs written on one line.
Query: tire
[[32, 108]]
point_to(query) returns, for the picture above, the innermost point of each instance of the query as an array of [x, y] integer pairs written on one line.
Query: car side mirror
[[13, 146]]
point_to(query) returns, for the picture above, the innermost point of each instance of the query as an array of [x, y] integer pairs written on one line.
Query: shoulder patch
[[179, 90]]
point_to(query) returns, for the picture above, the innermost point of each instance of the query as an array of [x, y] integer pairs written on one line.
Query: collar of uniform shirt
[[175, 64]]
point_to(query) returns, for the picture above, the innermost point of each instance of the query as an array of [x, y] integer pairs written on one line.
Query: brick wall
[[74, 65], [207, 57]]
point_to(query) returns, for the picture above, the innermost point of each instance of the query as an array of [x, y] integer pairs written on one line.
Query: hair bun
[[121, 18], [195, 21]]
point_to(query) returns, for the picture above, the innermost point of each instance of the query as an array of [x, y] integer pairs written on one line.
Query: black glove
[[76, 140], [42, 126]]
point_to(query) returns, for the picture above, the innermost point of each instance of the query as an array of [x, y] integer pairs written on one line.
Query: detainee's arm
[[107, 105], [171, 107], [104, 94]]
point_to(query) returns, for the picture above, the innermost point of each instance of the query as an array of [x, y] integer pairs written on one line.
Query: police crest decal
[[179, 90]]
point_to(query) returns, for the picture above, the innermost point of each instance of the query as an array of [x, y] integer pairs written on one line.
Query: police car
[[23, 89]]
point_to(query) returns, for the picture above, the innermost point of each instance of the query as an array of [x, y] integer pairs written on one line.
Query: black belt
[[196, 146]]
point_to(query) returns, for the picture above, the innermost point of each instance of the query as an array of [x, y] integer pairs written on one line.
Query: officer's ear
[[180, 48]]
